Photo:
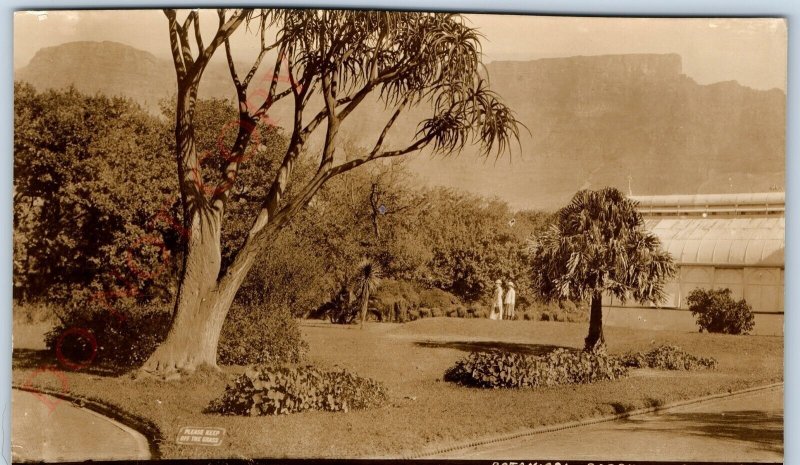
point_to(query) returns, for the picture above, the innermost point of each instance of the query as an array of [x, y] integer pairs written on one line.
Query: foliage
[[395, 298], [473, 242], [90, 175], [717, 312], [307, 261], [599, 244], [513, 370], [103, 338], [257, 335], [32, 313], [127, 336], [293, 273], [667, 357], [366, 282], [278, 390], [562, 311]]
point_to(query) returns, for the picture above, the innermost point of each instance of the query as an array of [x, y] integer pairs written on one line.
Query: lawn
[[424, 411]]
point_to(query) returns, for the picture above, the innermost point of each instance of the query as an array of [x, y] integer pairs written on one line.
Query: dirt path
[[48, 429], [747, 427]]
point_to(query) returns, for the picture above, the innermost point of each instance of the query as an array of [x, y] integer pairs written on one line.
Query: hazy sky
[[751, 51]]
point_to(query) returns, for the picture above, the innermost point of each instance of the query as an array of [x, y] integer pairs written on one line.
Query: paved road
[[746, 427], [49, 429]]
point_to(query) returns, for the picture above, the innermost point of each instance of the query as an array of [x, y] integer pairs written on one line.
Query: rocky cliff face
[[631, 121]]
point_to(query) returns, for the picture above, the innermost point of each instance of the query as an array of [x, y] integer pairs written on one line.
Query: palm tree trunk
[[364, 305], [595, 338]]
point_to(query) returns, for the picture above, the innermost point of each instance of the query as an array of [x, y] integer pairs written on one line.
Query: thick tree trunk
[[202, 307], [191, 341], [595, 338]]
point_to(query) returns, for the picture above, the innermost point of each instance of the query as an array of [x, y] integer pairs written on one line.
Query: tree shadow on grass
[[762, 430], [37, 359], [493, 346]]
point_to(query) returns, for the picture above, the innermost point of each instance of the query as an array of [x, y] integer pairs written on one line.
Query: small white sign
[[195, 436]]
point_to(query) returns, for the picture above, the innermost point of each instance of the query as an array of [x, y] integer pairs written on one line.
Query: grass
[[411, 359]]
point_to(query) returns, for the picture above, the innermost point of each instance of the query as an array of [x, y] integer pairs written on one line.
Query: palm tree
[[367, 282], [598, 244]]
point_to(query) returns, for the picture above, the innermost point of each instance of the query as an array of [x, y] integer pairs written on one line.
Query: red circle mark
[[82, 332]]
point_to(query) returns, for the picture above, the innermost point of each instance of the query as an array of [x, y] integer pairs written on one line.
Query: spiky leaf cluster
[[597, 244]]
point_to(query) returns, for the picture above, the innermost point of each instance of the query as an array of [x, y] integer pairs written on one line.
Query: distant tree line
[[95, 209]]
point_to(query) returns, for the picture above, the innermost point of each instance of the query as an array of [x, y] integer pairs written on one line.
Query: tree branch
[[197, 36], [264, 50], [186, 48], [174, 40], [224, 31], [232, 70], [273, 85], [382, 137]]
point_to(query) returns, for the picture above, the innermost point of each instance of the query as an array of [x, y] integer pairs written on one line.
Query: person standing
[[497, 302], [510, 300]]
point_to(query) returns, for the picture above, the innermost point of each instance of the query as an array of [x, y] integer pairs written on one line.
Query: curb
[[589, 421], [139, 425]]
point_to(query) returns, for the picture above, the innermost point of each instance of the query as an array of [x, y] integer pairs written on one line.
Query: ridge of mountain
[[632, 121]]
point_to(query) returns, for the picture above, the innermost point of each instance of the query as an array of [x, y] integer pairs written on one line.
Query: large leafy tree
[[89, 173], [475, 241], [599, 244], [335, 61]]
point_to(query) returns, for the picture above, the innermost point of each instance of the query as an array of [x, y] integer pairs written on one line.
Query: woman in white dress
[[497, 302], [510, 300]]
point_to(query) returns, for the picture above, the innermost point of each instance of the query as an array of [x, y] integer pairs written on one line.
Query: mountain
[[112, 68], [632, 121]]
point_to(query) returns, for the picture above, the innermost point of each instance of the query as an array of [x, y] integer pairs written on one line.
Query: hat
[[510, 284], [499, 281]]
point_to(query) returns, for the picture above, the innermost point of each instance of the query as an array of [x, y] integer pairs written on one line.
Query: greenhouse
[[733, 241]]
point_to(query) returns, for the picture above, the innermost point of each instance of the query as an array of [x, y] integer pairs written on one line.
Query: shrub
[[278, 390], [461, 312], [413, 315], [128, 337], [667, 358], [565, 311], [122, 339], [255, 335], [527, 316], [434, 297], [514, 370], [425, 312], [394, 293], [717, 312]]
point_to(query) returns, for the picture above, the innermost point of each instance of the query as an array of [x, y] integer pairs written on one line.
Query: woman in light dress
[[510, 299], [497, 302]]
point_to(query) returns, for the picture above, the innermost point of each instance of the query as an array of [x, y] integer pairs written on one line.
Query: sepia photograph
[[263, 233]]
